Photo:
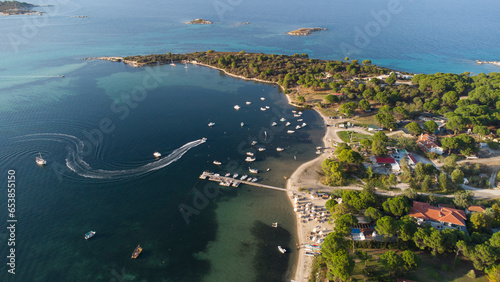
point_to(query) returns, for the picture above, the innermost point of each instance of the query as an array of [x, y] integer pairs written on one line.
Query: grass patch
[[355, 136]]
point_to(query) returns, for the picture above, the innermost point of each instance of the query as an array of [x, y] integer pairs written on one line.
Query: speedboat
[[267, 107], [250, 154], [39, 160], [253, 142], [157, 154], [282, 119], [290, 131], [248, 103], [287, 124], [274, 123], [228, 174], [211, 124], [275, 224], [255, 179], [304, 124], [250, 159], [262, 98], [253, 170], [235, 175], [300, 119], [262, 109], [236, 107], [261, 149], [318, 152], [298, 127], [244, 177], [296, 115], [89, 235], [242, 124], [279, 149], [249, 179], [282, 250], [217, 163]]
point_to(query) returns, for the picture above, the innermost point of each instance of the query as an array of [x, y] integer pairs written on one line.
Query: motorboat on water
[[157, 155], [248, 102], [249, 159], [228, 174], [263, 109], [217, 163], [262, 98], [261, 149], [282, 119], [242, 124], [236, 107], [300, 119], [253, 143], [89, 235], [282, 250], [137, 252], [39, 160], [318, 152], [267, 107], [296, 115], [279, 149], [253, 170], [235, 175], [250, 154], [287, 124], [298, 127], [244, 177], [290, 131], [275, 224], [211, 124], [304, 124], [172, 63], [255, 179], [274, 123]]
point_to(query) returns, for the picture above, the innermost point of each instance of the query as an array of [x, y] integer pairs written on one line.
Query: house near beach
[[438, 217], [429, 144]]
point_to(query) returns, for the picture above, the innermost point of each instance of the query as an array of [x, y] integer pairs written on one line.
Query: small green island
[[9, 8], [305, 31], [199, 21]]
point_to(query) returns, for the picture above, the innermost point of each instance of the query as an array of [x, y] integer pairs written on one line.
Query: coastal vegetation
[[404, 245], [15, 8]]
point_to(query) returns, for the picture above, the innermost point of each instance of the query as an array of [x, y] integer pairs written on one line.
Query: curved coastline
[[303, 265]]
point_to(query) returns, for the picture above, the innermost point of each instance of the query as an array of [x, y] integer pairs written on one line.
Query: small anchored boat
[[236, 107], [248, 102], [282, 250], [211, 124], [262, 98], [274, 123], [275, 224], [290, 131], [253, 170], [217, 163], [279, 149], [249, 159], [137, 252], [39, 160], [89, 235], [250, 154], [157, 155]]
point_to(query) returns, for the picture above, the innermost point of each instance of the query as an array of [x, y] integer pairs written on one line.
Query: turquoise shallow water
[[98, 103]]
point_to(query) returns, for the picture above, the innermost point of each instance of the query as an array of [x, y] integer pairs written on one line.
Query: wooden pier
[[228, 181]]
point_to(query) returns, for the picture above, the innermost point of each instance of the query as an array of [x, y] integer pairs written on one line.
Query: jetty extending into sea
[[228, 181]]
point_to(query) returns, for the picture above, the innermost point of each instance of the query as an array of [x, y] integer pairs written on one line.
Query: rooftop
[[440, 214]]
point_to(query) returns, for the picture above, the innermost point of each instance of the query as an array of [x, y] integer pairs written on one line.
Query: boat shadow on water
[[269, 263]]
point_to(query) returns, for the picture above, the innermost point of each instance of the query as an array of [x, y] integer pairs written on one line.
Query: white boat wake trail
[[75, 162]]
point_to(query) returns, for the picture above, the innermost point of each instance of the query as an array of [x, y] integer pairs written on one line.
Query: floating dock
[[229, 181]]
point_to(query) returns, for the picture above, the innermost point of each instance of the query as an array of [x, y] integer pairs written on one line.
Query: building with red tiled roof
[[473, 209], [389, 160], [412, 160], [438, 217], [429, 144]]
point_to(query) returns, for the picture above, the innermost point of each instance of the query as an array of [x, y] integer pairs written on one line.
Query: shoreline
[[303, 265]]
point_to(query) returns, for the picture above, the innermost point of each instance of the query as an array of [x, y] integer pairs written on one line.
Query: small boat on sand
[[137, 252]]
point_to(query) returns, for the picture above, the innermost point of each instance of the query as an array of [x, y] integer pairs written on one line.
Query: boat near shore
[[157, 155], [217, 163], [236, 107], [279, 149], [253, 170], [249, 159], [211, 124], [281, 249]]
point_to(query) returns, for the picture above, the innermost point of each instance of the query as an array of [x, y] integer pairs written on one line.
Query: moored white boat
[[282, 250], [244, 177], [304, 124], [242, 124], [263, 109], [235, 175], [250, 154], [261, 149], [211, 124], [275, 224], [248, 102], [217, 163], [253, 170], [236, 107], [253, 142], [287, 124], [298, 127], [274, 123], [279, 149], [228, 174], [290, 131], [262, 98], [39, 160], [282, 119], [89, 235], [157, 154], [255, 179], [249, 159]]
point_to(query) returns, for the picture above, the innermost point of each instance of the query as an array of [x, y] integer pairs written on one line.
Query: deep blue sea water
[[135, 199]]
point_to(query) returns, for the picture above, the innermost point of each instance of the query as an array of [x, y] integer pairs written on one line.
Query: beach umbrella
[[321, 232], [322, 214], [295, 209], [314, 230]]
